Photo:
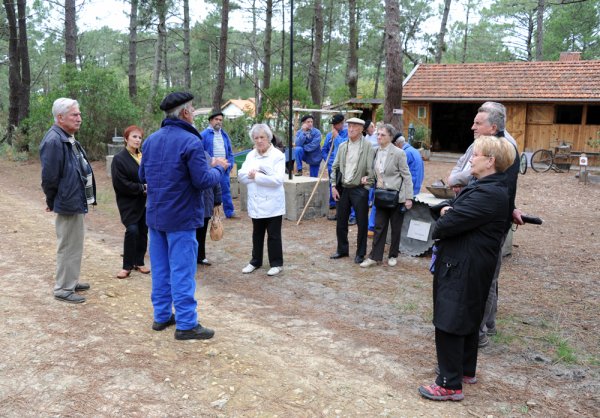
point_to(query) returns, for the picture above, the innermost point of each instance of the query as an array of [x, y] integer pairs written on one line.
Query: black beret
[[337, 118], [306, 117], [215, 114], [175, 99]]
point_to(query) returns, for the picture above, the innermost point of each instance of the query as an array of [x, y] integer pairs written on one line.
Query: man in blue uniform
[[175, 169], [337, 135], [414, 160], [218, 144], [308, 147]]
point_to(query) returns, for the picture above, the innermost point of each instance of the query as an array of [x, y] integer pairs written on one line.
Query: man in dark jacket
[[490, 120], [68, 183], [176, 172]]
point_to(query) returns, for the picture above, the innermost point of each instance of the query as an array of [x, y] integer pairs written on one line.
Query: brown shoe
[[123, 274], [142, 269]]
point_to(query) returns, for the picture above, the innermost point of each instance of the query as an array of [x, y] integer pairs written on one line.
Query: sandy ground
[[323, 339]]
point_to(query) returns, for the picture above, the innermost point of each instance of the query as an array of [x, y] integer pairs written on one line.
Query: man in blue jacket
[[414, 160], [308, 147], [175, 169], [69, 186], [218, 144], [333, 139]]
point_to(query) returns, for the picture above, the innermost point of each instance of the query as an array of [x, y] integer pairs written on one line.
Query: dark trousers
[[357, 198], [135, 244], [272, 226], [201, 238], [457, 357], [383, 217]]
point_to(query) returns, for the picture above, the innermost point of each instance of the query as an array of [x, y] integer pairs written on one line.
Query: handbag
[[386, 199], [216, 224]]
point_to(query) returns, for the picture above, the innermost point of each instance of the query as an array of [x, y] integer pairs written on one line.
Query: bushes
[[104, 104]]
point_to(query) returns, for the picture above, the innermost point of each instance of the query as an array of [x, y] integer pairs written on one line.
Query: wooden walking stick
[[317, 184]]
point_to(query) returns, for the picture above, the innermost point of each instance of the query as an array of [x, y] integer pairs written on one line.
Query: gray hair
[[61, 106], [496, 114], [389, 128], [174, 113], [261, 127]]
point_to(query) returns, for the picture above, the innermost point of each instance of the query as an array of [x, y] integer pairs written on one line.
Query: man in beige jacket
[[351, 178]]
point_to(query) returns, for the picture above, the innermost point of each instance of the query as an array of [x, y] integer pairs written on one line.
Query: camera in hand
[[529, 219]]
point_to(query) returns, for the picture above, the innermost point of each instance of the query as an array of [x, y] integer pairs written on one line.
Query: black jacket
[[129, 191], [63, 179], [467, 251]]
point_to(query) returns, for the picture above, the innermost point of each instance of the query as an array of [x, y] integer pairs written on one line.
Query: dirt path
[[323, 339]]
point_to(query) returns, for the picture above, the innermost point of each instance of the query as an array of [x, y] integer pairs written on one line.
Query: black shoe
[[332, 207], [204, 262], [82, 287], [332, 217], [70, 298], [359, 259], [159, 326], [484, 341], [352, 221], [196, 333], [335, 256], [298, 173]]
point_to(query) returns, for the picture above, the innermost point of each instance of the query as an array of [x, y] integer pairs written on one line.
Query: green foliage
[[238, 130], [276, 97], [573, 27], [103, 101]]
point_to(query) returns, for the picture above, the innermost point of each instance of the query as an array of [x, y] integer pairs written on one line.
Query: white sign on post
[[418, 230], [583, 160], [397, 111]]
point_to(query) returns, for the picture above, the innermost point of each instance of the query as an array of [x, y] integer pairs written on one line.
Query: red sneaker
[[438, 393]]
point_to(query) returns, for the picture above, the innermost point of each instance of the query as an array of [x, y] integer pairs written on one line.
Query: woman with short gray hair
[[263, 172]]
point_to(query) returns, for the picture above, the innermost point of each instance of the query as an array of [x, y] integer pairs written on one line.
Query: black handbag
[[386, 199]]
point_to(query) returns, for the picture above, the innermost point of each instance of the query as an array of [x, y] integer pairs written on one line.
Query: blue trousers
[[173, 256], [226, 196], [299, 155], [373, 211]]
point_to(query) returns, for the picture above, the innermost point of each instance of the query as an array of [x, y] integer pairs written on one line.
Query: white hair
[[261, 127], [61, 106], [174, 113]]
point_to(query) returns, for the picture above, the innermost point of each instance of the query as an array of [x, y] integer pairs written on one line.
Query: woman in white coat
[[263, 173]]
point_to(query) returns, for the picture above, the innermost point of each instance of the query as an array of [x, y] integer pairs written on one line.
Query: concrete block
[[297, 192], [114, 149], [234, 187], [109, 159]]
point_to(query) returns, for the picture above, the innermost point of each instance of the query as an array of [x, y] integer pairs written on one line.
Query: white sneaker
[[274, 271], [368, 263], [392, 261], [248, 269]]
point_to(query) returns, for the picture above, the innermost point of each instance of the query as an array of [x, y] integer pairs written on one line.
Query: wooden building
[[545, 101]]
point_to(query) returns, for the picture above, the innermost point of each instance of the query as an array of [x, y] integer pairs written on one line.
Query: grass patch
[[563, 352]]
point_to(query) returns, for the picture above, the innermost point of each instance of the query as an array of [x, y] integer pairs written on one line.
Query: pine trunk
[[393, 67], [132, 72], [187, 67], [352, 67], [439, 50], [70, 32], [218, 94]]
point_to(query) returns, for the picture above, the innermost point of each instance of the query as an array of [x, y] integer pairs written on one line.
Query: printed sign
[[583, 160], [418, 230], [397, 111]]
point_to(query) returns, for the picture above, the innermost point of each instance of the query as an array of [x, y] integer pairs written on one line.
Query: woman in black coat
[[469, 232], [131, 201]]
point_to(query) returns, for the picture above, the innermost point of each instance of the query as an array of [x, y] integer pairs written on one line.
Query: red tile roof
[[542, 81]]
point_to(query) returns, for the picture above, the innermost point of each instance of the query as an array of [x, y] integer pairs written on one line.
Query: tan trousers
[[70, 234]]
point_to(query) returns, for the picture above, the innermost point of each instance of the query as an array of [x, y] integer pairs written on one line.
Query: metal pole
[[291, 94]]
